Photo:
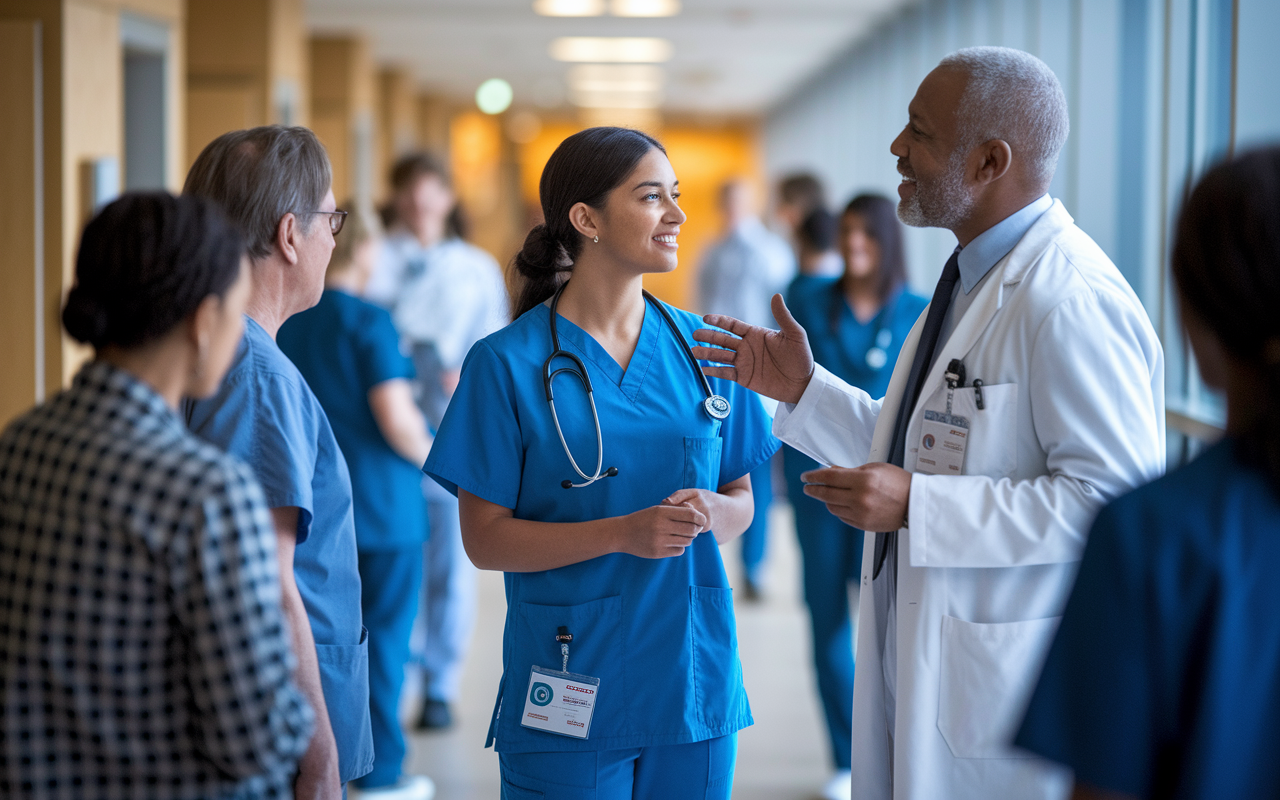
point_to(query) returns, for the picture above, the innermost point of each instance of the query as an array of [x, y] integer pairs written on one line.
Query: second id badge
[[560, 702], [943, 439]]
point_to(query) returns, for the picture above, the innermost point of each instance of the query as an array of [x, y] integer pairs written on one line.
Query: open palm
[[776, 364]]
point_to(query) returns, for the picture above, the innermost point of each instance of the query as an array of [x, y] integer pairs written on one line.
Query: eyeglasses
[[336, 219]]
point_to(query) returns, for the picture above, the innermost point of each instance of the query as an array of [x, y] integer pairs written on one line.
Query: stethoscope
[[716, 406]]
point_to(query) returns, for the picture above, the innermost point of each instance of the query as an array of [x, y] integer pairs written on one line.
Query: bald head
[[1012, 96]]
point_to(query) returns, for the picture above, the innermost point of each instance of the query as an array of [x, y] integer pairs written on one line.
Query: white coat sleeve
[[833, 423], [1096, 391]]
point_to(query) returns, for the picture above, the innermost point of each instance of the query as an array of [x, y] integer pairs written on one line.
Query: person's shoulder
[[808, 288], [523, 338], [912, 303], [474, 254]]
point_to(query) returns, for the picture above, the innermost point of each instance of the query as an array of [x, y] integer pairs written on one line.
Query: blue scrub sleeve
[[478, 447], [1095, 707], [263, 419], [748, 440], [378, 343]]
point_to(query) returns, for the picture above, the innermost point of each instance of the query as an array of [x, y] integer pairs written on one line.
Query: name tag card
[[560, 702], [943, 439]]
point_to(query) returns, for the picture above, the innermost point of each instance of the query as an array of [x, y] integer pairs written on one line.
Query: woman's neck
[[608, 307], [863, 296]]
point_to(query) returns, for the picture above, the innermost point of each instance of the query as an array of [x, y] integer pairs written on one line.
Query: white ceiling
[[731, 56]]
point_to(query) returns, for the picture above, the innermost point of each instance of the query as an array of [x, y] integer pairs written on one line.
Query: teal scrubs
[[658, 633], [832, 551], [1164, 678]]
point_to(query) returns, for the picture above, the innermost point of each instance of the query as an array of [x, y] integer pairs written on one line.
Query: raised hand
[[776, 364]]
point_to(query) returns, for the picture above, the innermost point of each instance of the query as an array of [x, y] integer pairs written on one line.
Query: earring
[[597, 239]]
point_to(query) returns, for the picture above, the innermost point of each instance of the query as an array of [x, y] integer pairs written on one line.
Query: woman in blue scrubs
[[1164, 677], [856, 325], [612, 556]]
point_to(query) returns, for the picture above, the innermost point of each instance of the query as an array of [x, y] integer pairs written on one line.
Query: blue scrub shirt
[[344, 347], [658, 633], [265, 415], [1164, 678]]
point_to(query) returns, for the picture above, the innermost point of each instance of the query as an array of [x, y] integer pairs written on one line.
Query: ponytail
[[540, 262]]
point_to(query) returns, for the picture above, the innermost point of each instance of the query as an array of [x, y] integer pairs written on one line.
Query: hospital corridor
[[639, 399]]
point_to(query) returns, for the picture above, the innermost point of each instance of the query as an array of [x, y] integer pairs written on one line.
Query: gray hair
[[259, 175], [1015, 97]]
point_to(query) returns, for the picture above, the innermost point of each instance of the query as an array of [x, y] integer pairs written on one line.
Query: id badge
[[943, 439], [560, 702]]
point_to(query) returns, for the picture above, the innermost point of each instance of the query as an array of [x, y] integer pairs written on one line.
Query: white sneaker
[[409, 787], [840, 787]]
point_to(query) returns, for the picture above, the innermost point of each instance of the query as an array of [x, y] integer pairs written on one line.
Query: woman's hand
[[660, 531], [698, 499], [728, 510]]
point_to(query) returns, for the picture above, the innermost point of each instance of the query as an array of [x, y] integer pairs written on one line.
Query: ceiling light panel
[[569, 8], [644, 8], [613, 99], [611, 50], [615, 78]]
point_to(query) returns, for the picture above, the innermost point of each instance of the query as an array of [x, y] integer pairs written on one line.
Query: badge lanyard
[[559, 701]]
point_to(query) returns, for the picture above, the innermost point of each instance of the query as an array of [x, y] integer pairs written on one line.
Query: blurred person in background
[[275, 184], [856, 325], [144, 649], [349, 352], [444, 295], [1164, 677], [815, 245], [799, 196], [738, 275]]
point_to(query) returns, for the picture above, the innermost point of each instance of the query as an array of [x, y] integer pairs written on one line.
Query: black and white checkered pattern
[[143, 652]]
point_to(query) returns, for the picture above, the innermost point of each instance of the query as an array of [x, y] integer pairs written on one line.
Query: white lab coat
[[1073, 417]]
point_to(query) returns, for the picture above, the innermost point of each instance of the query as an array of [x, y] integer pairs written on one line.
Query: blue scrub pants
[[696, 771], [390, 580], [756, 537], [442, 631], [831, 553]]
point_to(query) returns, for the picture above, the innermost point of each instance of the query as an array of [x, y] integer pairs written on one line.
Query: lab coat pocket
[[988, 672], [993, 429], [702, 462], [597, 650], [717, 672]]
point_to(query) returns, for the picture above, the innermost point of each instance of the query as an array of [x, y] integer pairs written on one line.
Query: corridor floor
[[782, 757]]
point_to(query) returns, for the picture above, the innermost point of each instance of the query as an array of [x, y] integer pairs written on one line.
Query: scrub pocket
[[988, 672], [344, 679], [597, 650], [702, 462], [717, 672]]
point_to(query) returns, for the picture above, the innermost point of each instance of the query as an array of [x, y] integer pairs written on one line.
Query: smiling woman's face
[[641, 219]]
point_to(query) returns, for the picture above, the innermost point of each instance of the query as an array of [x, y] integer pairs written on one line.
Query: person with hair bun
[[1164, 677], [143, 649], [597, 468]]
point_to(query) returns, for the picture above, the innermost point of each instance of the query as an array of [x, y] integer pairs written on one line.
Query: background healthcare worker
[[620, 564], [1163, 678], [856, 325]]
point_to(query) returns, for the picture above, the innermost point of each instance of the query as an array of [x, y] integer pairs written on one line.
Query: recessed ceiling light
[[615, 78], [644, 8], [619, 49], [615, 99], [494, 96], [569, 8]]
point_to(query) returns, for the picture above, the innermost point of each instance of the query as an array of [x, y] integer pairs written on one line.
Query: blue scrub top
[[265, 415], [658, 633], [344, 347], [815, 301], [1164, 678]]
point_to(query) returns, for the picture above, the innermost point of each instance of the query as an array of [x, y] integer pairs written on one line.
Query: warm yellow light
[[644, 8], [569, 8], [620, 49]]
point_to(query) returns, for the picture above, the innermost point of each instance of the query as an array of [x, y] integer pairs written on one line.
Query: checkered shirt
[[143, 652]]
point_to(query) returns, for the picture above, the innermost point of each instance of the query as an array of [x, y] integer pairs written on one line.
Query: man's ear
[[584, 219], [994, 160], [287, 233]]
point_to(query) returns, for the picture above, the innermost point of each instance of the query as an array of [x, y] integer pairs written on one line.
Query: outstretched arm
[[776, 364]]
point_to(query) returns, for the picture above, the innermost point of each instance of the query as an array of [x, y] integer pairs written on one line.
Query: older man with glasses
[[276, 184]]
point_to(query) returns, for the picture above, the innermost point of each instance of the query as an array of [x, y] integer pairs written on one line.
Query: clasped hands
[[779, 364]]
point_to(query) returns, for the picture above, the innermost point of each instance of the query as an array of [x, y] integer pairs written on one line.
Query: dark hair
[[145, 263], [408, 169], [585, 168], [259, 175], [817, 231], [881, 216], [1226, 263], [803, 189]]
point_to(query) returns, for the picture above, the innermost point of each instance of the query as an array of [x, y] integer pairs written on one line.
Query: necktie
[[915, 380]]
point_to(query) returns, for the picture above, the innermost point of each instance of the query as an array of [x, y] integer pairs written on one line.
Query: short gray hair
[[1013, 96], [260, 174]]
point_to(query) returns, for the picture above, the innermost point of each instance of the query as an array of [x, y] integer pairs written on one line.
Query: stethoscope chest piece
[[716, 406]]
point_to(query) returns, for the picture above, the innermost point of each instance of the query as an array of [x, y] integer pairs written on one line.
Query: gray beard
[[944, 203]]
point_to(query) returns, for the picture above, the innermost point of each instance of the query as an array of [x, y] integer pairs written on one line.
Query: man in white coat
[[1028, 394]]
